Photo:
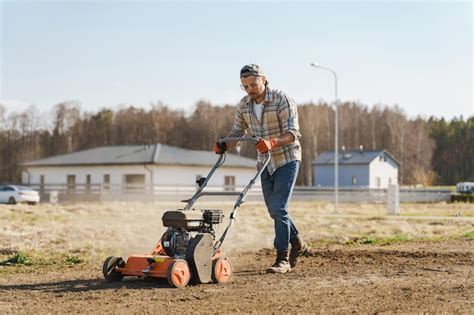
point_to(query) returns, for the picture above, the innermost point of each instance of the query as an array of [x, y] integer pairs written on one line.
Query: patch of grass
[[462, 198], [41, 259], [17, 258], [72, 259], [26, 217], [31, 218], [405, 238], [440, 214], [376, 218], [377, 240], [321, 243], [450, 187], [468, 235]]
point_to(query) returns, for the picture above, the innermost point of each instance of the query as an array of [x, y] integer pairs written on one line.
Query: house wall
[[381, 172], [347, 172], [154, 174], [186, 175], [58, 175], [323, 175], [386, 169]]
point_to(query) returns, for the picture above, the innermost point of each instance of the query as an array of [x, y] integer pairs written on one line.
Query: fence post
[[53, 197], [393, 199]]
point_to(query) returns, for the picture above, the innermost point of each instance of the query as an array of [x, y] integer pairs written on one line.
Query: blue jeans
[[277, 190]]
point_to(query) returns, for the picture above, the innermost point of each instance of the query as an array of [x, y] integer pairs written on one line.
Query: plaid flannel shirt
[[280, 115]]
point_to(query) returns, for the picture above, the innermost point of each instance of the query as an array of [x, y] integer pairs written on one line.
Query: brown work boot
[[281, 265], [298, 248]]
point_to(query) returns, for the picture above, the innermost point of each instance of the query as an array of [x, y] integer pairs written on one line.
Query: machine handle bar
[[218, 163], [248, 138]]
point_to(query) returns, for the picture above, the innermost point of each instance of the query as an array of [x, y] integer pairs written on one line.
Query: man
[[272, 116]]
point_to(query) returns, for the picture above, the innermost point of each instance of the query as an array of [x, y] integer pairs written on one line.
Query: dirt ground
[[434, 272]]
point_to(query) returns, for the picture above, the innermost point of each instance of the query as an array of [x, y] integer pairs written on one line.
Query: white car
[[465, 188], [13, 194]]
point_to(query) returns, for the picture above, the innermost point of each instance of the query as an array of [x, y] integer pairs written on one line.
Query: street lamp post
[[336, 132]]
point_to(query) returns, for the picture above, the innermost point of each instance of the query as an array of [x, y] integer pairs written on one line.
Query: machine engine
[[185, 227]]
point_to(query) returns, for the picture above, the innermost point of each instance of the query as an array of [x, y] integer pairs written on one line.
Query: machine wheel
[[178, 273], [221, 270], [110, 266], [12, 201]]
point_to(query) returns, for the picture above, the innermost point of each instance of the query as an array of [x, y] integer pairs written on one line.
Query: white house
[[371, 169], [122, 167]]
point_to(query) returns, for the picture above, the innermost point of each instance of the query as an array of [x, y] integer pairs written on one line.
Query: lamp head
[[314, 64]]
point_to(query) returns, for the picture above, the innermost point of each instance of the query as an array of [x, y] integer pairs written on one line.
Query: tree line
[[431, 151]]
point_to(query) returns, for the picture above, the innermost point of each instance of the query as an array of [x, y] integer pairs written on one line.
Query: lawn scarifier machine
[[189, 249]]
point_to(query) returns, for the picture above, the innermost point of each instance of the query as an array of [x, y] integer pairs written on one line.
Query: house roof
[[138, 154], [351, 157]]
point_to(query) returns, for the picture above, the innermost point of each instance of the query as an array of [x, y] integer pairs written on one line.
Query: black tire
[[11, 201], [109, 269]]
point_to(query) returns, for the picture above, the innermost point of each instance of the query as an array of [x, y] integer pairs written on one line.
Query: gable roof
[[138, 154], [351, 157]]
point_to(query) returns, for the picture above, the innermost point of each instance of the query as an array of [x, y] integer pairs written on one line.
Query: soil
[[422, 276]]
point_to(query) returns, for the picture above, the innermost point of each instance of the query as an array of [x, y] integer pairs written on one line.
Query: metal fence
[[366, 195], [140, 192]]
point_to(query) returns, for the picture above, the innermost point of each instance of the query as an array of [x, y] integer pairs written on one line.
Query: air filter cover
[[186, 219]]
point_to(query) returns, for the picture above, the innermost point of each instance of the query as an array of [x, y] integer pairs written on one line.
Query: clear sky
[[417, 55]]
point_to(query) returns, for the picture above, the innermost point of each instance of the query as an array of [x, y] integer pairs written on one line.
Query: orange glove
[[219, 148], [263, 146]]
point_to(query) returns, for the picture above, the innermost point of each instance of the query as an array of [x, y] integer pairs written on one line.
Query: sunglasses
[[249, 86]]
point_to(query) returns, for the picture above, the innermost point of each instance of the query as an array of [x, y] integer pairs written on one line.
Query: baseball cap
[[251, 69]]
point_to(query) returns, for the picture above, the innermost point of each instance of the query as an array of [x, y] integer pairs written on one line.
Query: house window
[[135, 182], [88, 183], [390, 181], [378, 181], [106, 182], [354, 180], [71, 183], [229, 183]]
